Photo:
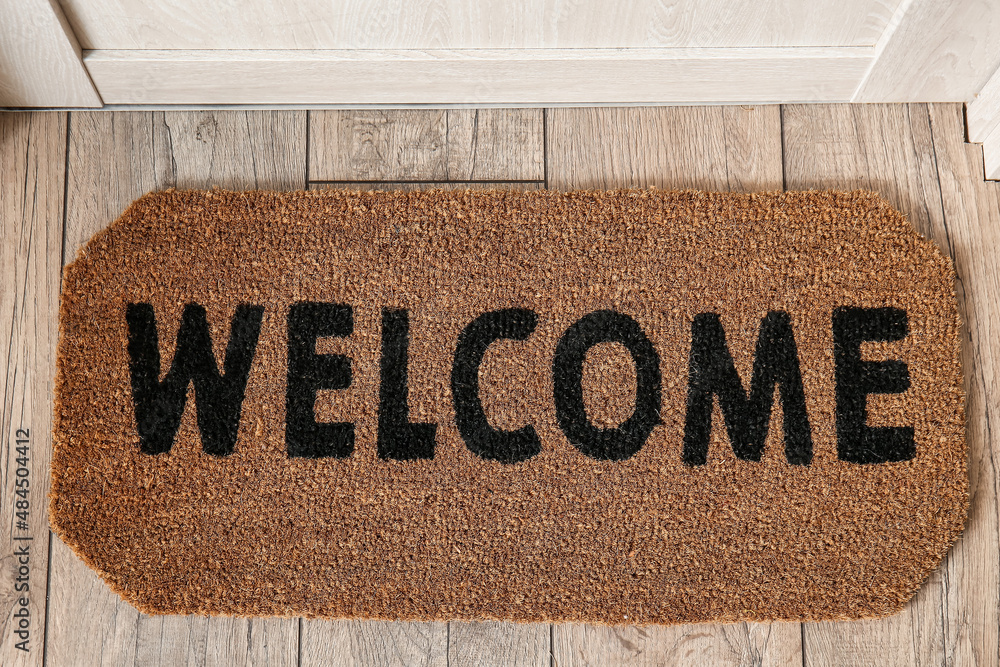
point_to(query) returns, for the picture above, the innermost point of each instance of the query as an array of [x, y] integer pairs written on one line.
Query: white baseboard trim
[[479, 77], [983, 113], [991, 155], [982, 116]]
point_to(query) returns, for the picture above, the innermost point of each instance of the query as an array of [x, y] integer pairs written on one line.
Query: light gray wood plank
[[165, 641], [87, 624], [914, 637], [114, 158], [479, 77], [941, 51], [420, 24], [759, 644], [197, 641], [32, 168], [972, 237], [40, 60], [888, 149], [242, 642], [714, 148], [236, 150], [991, 155], [496, 643], [495, 144], [983, 113], [426, 145], [374, 643], [753, 159]]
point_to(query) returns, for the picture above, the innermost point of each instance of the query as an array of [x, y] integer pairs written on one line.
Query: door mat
[[631, 406]]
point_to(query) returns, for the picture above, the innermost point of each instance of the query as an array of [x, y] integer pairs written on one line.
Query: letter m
[[713, 373], [218, 398]]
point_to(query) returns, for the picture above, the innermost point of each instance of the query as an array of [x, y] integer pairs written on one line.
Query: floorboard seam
[[429, 180], [62, 263], [545, 148], [308, 145]]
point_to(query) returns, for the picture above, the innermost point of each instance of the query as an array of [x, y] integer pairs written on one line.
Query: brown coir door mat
[[632, 406]]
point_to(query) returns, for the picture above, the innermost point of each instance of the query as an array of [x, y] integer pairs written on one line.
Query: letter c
[[479, 436]]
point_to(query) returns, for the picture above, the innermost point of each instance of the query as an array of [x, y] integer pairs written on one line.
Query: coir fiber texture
[[630, 406]]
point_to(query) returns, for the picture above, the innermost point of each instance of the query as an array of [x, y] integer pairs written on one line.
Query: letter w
[[218, 399], [712, 372]]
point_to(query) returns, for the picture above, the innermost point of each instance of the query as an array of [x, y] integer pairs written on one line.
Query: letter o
[[605, 444]]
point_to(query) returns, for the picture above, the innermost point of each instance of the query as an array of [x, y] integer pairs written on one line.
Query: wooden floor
[[64, 176]]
